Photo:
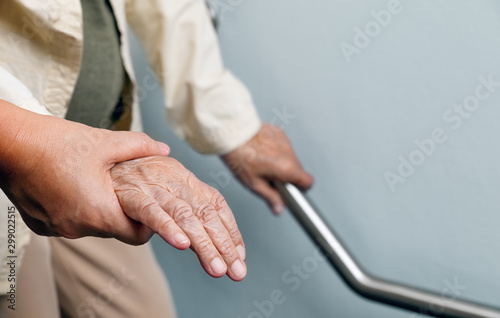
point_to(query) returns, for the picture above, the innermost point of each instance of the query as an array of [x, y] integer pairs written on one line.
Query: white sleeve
[[206, 104], [15, 92]]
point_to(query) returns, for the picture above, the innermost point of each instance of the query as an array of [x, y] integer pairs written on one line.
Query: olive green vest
[[96, 100]]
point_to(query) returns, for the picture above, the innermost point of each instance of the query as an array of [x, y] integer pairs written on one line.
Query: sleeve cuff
[[226, 139]]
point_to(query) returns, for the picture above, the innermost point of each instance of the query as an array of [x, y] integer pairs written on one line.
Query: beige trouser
[[91, 278]]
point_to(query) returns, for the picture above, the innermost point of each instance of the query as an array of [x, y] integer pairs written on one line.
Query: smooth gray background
[[352, 122]]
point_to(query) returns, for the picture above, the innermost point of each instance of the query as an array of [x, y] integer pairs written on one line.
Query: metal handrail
[[361, 282]]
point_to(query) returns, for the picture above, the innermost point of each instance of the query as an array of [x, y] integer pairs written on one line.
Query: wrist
[[16, 136]]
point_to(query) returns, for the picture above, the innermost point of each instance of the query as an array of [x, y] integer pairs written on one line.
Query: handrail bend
[[361, 282]]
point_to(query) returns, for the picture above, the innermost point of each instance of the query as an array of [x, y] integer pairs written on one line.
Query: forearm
[[12, 122], [24, 138]]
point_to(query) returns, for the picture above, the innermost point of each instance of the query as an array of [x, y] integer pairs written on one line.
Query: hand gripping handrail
[[380, 290]]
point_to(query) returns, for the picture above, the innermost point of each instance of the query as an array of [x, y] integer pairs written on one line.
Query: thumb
[[126, 145]]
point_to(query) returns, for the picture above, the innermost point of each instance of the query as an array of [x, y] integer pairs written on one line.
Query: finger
[[164, 148], [216, 230], [146, 210], [303, 180], [182, 213], [127, 145], [290, 171], [268, 193], [225, 213]]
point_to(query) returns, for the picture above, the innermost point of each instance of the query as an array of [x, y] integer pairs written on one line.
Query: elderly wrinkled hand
[[163, 195], [268, 157]]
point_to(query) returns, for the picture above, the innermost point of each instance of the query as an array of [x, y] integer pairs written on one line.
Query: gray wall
[[351, 123]]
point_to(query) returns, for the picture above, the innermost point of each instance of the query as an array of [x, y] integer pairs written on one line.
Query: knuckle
[[142, 136], [287, 166], [217, 199], [161, 195], [226, 247], [181, 212], [190, 177], [124, 195], [145, 207], [144, 139], [181, 191], [204, 245], [234, 232], [165, 225], [207, 214]]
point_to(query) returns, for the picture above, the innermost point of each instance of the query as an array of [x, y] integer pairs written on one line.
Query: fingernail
[[181, 238], [238, 269], [164, 148], [217, 266], [278, 208], [241, 251]]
